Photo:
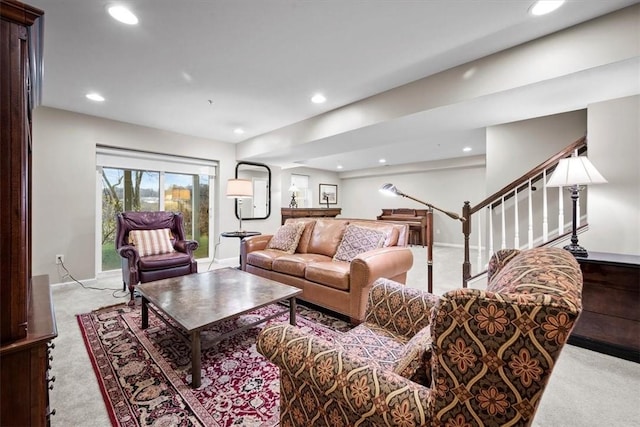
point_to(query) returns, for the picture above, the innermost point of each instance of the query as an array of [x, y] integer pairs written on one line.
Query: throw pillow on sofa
[[357, 240], [286, 238], [152, 242]]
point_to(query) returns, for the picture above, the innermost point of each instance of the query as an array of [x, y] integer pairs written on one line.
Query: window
[[136, 181], [303, 195]]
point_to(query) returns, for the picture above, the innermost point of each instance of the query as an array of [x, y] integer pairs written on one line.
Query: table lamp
[[293, 203], [575, 172], [239, 189]]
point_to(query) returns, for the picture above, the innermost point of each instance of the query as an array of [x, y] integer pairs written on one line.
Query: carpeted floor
[[144, 375], [586, 389]]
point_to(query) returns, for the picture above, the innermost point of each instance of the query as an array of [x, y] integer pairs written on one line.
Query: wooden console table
[[308, 212], [610, 319]]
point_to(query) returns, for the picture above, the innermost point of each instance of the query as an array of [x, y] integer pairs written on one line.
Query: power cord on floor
[[68, 274], [215, 250]]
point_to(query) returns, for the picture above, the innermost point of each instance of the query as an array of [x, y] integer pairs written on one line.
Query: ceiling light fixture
[[542, 7], [122, 14], [339, 167], [238, 131], [466, 149], [95, 97], [382, 161], [318, 98]]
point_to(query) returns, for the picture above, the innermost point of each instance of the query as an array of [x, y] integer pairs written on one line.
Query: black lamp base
[[577, 250]]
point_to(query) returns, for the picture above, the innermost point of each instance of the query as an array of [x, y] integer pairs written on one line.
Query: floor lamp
[[575, 172], [239, 189], [392, 190]]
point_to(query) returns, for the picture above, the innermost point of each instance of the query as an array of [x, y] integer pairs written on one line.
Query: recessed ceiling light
[[466, 149], [542, 7], [382, 161], [339, 167], [238, 131], [122, 14], [318, 98], [95, 97]]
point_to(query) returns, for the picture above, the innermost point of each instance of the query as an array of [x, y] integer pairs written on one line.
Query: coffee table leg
[[145, 313], [196, 377], [292, 311]]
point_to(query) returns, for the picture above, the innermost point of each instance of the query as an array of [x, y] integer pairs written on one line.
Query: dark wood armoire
[[27, 321]]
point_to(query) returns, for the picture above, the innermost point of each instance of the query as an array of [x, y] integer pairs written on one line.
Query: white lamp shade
[[293, 188], [576, 170], [239, 188]]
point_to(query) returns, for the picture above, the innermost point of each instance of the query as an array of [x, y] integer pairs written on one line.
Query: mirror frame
[[268, 191]]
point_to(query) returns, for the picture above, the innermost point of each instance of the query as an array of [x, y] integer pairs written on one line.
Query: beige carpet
[[586, 388]]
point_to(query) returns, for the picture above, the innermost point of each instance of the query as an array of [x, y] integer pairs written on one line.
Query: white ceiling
[[260, 61]]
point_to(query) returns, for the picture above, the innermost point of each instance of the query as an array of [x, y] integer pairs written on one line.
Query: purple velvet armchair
[[141, 269]]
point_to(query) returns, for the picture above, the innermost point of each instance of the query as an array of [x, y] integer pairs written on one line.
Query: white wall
[[515, 148], [316, 177], [614, 149], [64, 185]]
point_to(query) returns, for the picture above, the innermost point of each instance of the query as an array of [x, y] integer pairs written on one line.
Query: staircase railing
[[505, 205]]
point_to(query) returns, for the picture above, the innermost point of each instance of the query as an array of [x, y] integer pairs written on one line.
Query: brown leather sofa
[[336, 285], [141, 269]]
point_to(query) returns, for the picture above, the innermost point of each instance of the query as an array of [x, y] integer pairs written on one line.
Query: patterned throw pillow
[[152, 242], [287, 237], [357, 240]]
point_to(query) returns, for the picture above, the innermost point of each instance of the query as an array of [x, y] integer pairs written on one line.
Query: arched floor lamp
[[392, 190]]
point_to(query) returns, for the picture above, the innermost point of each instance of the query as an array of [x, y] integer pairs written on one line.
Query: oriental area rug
[[144, 375]]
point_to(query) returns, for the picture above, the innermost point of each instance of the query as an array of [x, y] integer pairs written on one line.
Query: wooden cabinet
[[610, 318], [27, 322], [308, 212]]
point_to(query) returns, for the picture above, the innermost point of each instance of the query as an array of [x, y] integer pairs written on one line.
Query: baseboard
[[605, 348]]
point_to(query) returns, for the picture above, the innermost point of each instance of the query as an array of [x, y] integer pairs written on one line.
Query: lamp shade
[[390, 190], [239, 188], [293, 188], [576, 170]]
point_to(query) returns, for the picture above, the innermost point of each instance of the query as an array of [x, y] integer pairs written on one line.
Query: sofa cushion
[[334, 274], [326, 236], [295, 264], [286, 238], [152, 242], [357, 240], [264, 258]]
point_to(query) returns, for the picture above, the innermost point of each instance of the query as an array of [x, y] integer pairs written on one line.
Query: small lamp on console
[[239, 189], [575, 172], [293, 190], [392, 190]]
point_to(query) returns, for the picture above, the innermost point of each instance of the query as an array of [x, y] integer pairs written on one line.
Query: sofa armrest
[[186, 246], [498, 260], [391, 262], [399, 309], [251, 244], [376, 396]]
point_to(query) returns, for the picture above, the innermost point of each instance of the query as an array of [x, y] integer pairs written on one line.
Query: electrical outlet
[[59, 259]]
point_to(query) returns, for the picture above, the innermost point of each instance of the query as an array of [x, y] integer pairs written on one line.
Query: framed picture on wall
[[328, 194]]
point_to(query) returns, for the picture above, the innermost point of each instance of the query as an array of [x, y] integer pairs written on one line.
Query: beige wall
[[64, 185], [515, 148], [614, 149]]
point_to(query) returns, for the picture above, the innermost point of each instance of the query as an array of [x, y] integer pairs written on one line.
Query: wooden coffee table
[[197, 301]]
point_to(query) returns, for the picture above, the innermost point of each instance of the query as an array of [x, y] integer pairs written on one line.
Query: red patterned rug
[[144, 375]]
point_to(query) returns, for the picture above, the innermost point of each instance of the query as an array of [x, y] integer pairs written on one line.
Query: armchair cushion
[[357, 240], [152, 242], [286, 238]]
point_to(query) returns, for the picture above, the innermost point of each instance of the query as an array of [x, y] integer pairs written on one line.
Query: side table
[[240, 235]]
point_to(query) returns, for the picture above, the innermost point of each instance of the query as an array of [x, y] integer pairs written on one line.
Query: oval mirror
[[259, 206]]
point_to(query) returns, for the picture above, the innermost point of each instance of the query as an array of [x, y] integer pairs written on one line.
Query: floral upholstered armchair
[[467, 358]]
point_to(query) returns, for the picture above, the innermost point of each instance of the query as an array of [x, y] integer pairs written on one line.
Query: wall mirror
[[258, 207]]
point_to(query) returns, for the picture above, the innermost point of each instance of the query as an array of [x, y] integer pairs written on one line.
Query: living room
[[65, 144]]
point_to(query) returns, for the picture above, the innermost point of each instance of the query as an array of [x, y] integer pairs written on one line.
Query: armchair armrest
[[130, 253], [186, 246], [498, 260], [399, 309], [376, 396]]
